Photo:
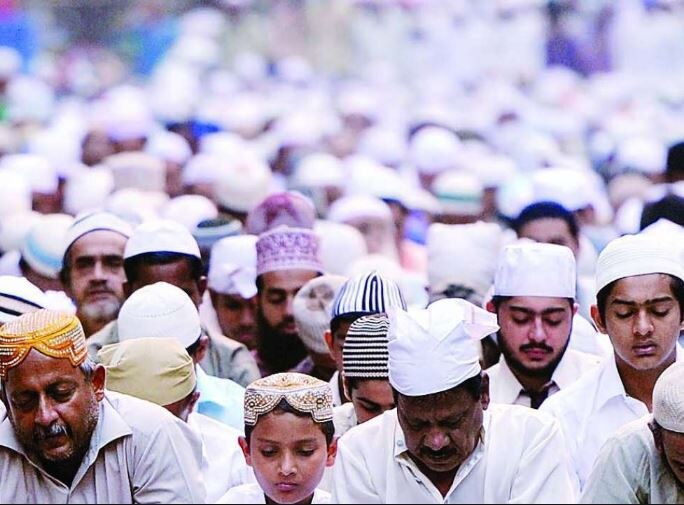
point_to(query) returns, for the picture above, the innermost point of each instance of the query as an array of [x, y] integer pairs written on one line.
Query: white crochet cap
[[43, 247], [189, 210], [668, 399], [161, 235], [433, 150], [159, 310]]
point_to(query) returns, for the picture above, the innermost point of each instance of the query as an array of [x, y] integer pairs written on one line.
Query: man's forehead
[[99, 240], [441, 406], [38, 370]]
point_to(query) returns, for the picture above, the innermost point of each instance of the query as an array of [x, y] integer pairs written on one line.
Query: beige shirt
[[519, 459], [629, 469], [139, 453], [226, 358], [504, 387]]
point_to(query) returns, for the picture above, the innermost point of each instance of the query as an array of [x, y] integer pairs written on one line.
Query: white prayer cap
[[15, 193], [203, 22], [43, 246], [459, 193], [246, 114], [19, 296], [463, 258], [15, 227], [232, 266], [189, 210], [94, 221], [137, 170], [434, 150], [38, 171], [10, 62], [60, 146], [134, 205], [196, 51], [668, 399], [645, 155], [494, 170], [223, 144], [286, 248], [421, 199], [665, 229], [385, 145], [435, 349], [319, 170], [161, 235], [379, 181], [244, 182], [340, 246], [30, 99], [88, 189], [570, 188], [202, 169], [353, 207], [634, 255], [536, 269], [311, 308], [514, 196], [169, 146], [159, 310]]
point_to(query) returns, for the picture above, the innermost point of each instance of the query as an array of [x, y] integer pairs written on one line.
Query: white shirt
[[344, 418], [630, 469], [505, 388], [519, 460], [335, 386], [252, 493], [590, 411], [224, 465]]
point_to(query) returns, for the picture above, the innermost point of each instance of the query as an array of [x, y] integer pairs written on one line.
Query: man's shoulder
[[106, 336], [576, 397], [367, 437], [142, 417], [516, 418]]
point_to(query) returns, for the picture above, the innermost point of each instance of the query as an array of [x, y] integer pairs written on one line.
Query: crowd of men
[[418, 283]]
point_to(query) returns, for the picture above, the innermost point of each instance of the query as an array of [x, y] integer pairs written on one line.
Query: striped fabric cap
[[365, 354], [368, 294]]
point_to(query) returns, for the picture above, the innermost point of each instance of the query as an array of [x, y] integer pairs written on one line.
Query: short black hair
[[472, 386], [327, 427], [676, 284], [546, 210], [675, 162], [133, 264], [669, 207], [349, 317], [497, 301]]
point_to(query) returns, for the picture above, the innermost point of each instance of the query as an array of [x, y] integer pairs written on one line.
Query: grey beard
[[102, 311]]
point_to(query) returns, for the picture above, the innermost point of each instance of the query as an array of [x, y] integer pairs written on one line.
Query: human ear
[[598, 320], [332, 454], [244, 445], [484, 391], [98, 382]]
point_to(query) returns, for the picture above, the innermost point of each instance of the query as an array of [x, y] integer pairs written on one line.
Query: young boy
[[288, 442]]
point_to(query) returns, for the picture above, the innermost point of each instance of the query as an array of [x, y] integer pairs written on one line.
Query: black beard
[[279, 351], [518, 367]]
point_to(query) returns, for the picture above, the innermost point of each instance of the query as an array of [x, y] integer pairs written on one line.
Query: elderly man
[[161, 371], [92, 268], [642, 463], [534, 300], [65, 439], [165, 251], [444, 443], [362, 295], [287, 258], [640, 285]]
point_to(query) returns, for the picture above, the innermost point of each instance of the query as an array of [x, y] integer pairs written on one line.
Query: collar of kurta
[[610, 384], [110, 427]]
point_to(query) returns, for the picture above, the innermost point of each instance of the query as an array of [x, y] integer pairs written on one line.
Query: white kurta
[[505, 388], [590, 411], [344, 418], [252, 493], [139, 453], [520, 461], [630, 469], [224, 465]]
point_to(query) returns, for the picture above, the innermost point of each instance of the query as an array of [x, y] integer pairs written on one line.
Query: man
[[92, 268], [361, 295], [161, 371], [64, 439], [232, 287], [640, 297], [287, 258], [642, 463], [366, 383], [311, 308], [163, 310], [444, 443], [165, 251], [534, 301]]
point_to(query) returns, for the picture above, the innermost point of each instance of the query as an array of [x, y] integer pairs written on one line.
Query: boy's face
[[289, 455]]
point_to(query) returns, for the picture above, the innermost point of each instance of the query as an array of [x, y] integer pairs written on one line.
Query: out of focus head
[[668, 419]]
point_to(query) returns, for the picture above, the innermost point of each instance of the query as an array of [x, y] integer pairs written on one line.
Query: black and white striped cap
[[18, 296], [368, 294], [365, 354]]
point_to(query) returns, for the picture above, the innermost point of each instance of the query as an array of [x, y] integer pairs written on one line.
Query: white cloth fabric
[[335, 387], [139, 453], [592, 410], [505, 388], [252, 493], [373, 465], [18, 296], [159, 310], [535, 269], [161, 235], [93, 221], [630, 469], [634, 255], [232, 266], [43, 247], [344, 418], [443, 339], [224, 465], [668, 399]]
